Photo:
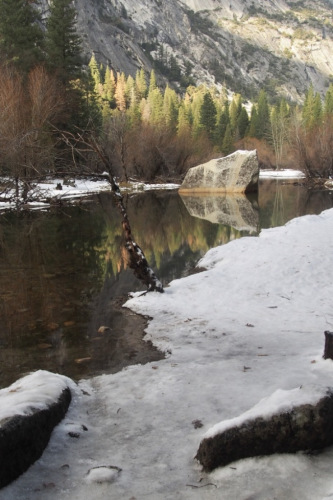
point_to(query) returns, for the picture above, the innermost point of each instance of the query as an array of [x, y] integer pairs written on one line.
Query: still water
[[64, 278]]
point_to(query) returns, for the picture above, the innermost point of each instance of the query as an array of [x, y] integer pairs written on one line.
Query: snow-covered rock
[[29, 410], [285, 422]]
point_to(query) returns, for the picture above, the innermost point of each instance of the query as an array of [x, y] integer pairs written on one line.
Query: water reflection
[[235, 210], [64, 275]]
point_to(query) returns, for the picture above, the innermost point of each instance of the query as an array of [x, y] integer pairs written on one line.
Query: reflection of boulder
[[285, 422], [236, 173], [230, 210]]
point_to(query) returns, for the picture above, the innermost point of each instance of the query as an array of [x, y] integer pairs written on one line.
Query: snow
[[37, 390], [282, 174], [42, 193], [251, 326], [280, 401]]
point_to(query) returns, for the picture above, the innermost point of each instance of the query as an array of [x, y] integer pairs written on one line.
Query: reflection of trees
[[281, 201], [59, 272]]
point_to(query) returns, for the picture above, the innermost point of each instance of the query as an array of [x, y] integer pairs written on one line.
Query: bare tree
[[86, 142]]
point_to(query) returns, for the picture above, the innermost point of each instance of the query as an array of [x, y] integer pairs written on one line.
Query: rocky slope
[[278, 45]]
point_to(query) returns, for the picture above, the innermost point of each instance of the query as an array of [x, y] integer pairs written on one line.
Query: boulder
[[286, 422], [236, 173], [234, 210], [29, 410]]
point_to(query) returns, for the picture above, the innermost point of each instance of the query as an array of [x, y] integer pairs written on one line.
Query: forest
[[54, 105]]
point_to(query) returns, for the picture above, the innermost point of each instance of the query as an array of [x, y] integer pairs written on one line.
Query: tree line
[[155, 132], [148, 130]]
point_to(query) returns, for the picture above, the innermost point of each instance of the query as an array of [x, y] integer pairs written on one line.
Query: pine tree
[[280, 125], [312, 109], [328, 105], [152, 82], [109, 87], [141, 85], [235, 110], [263, 123], [21, 38], [208, 115], [228, 141], [155, 102], [254, 122], [242, 123], [222, 123], [183, 125], [170, 108], [120, 92], [63, 44], [95, 72]]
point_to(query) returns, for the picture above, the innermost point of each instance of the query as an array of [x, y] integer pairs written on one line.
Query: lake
[[64, 274]]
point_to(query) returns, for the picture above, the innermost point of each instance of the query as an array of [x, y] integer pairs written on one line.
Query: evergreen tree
[[242, 123], [183, 125], [152, 82], [95, 72], [328, 105], [155, 102], [170, 108], [109, 87], [312, 109], [120, 92], [235, 110], [222, 123], [21, 38], [141, 85], [254, 122], [129, 89], [280, 125], [228, 141], [263, 123], [208, 115], [63, 44]]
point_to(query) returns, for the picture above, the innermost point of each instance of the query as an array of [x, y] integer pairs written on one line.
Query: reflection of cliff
[[233, 210]]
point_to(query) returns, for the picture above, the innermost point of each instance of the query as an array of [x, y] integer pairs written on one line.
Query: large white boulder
[[236, 173]]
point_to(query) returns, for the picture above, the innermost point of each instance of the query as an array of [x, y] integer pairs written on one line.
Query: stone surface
[[212, 34], [236, 173], [23, 438], [304, 427], [234, 210]]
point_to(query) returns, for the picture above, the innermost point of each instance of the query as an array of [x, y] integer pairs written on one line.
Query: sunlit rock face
[[236, 173], [234, 210]]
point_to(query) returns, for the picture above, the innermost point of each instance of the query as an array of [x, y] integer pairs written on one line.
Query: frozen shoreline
[[45, 194], [251, 324]]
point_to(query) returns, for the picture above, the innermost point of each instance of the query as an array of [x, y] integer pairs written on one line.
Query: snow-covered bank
[[55, 190], [251, 324], [282, 174]]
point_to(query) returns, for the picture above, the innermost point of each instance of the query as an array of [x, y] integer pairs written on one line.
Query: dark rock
[[305, 427], [24, 438]]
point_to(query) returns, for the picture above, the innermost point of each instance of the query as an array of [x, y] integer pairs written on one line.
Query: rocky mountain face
[[279, 45]]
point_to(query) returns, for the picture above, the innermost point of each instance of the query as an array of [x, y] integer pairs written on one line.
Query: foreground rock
[[29, 410], [286, 422], [236, 173], [233, 210]]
